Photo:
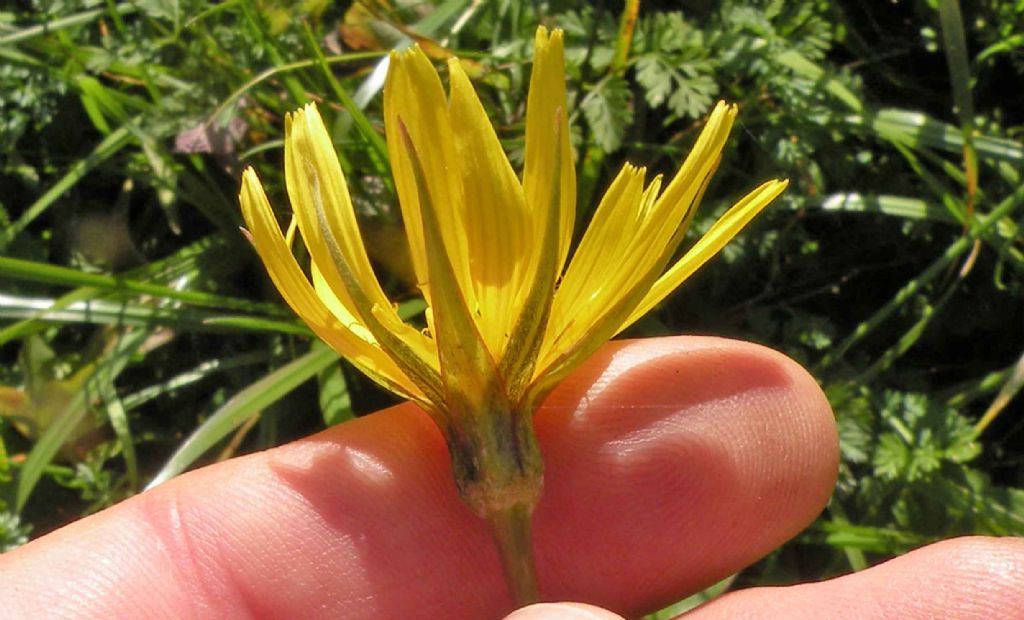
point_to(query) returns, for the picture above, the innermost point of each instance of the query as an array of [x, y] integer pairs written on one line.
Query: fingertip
[[562, 611], [972, 578], [672, 463]]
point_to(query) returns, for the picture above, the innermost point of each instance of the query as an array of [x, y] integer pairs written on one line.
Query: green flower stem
[[499, 474], [511, 530]]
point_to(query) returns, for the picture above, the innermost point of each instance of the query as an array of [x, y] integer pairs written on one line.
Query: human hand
[[671, 463]]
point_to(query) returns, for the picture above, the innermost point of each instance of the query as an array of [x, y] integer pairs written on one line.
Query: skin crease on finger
[[670, 463]]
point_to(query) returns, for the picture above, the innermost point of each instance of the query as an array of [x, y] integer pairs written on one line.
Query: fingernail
[[562, 611]]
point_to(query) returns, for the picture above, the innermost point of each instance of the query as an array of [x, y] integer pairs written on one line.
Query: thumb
[[562, 611]]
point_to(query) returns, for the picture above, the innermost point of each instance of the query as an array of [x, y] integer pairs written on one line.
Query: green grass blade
[[285, 68], [55, 274], [960, 77], [967, 392], [908, 339], [12, 307], [189, 377], [40, 312], [378, 149], [118, 417], [956, 56], [191, 263], [335, 399], [897, 206], [919, 130], [244, 405]]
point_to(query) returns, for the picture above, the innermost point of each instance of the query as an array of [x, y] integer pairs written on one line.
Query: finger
[[670, 463], [961, 579], [688, 460]]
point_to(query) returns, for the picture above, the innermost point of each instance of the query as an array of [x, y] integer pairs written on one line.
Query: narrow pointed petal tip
[[414, 92], [546, 107], [720, 233]]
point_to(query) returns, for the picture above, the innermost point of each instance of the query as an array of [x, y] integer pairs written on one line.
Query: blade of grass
[[55, 274], [914, 128], [33, 321], [919, 130], [244, 405], [254, 25], [45, 311], [854, 555], [624, 40], [866, 538], [189, 377], [185, 265], [897, 206], [960, 211], [275, 71], [955, 43], [965, 393], [909, 338], [812, 71], [960, 77], [118, 418], [694, 600]]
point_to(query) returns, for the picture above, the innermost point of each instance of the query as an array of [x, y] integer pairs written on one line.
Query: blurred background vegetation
[[140, 337]]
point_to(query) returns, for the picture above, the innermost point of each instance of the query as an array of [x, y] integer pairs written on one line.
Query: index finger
[[669, 464]]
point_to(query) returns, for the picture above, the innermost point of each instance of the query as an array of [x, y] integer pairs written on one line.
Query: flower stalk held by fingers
[[509, 315]]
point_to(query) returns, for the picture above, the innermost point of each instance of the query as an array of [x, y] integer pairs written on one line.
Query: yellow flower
[[507, 318]]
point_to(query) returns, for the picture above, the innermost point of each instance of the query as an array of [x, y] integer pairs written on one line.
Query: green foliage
[[673, 66], [140, 338], [910, 468], [606, 108], [13, 533]]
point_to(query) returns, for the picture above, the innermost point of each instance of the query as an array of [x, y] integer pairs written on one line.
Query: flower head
[[509, 313]]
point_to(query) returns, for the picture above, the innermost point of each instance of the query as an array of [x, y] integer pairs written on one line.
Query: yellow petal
[[680, 193], [662, 223], [468, 371], [527, 333], [595, 274], [345, 336], [329, 229], [499, 232], [546, 106], [631, 236], [413, 93], [314, 178], [727, 227]]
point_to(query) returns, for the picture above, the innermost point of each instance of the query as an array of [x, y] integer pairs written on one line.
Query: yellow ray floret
[[335, 326]]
